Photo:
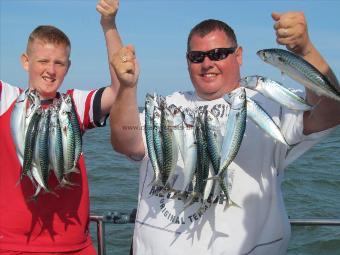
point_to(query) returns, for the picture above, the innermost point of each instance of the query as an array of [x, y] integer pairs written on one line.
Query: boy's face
[[46, 64]]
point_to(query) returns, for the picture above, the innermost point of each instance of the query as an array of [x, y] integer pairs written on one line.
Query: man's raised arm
[[291, 31], [126, 131]]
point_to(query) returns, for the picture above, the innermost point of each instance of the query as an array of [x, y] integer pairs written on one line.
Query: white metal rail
[[113, 218], [119, 218]]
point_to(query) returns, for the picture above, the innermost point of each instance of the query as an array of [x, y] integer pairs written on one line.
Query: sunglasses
[[214, 54]]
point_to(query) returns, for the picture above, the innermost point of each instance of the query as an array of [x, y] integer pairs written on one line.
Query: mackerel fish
[[18, 123], [68, 137], [276, 92], [40, 166], [202, 165], [189, 152], [234, 131], [150, 104], [76, 130], [169, 148], [262, 119], [300, 70], [214, 142], [214, 139], [157, 143], [56, 147], [43, 140], [189, 147], [178, 129], [30, 141]]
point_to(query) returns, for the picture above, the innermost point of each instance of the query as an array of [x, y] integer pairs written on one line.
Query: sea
[[311, 190]]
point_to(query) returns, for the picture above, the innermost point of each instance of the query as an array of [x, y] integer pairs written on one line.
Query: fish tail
[[156, 182]]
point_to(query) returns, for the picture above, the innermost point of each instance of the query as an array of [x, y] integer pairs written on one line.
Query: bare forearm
[[113, 44], [126, 131], [327, 112], [312, 56], [108, 10], [291, 31]]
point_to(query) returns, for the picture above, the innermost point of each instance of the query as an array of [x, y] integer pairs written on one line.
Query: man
[[258, 224], [55, 222]]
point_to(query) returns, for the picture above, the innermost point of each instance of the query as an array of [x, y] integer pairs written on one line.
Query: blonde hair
[[48, 34]]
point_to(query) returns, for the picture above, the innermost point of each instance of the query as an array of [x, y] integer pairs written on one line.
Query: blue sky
[[158, 29]]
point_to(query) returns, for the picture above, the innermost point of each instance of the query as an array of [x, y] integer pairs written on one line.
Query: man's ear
[[24, 61], [239, 55]]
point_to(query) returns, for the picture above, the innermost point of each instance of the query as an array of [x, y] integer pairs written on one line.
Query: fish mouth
[[243, 82], [249, 81]]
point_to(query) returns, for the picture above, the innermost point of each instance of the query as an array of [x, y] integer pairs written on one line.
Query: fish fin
[[176, 194], [74, 169], [33, 198], [216, 177], [224, 189], [156, 182], [35, 195], [311, 112], [66, 183], [230, 203], [166, 191], [182, 195], [190, 201], [282, 75], [163, 192], [290, 147]]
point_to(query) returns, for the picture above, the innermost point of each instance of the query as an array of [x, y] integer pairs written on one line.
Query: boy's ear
[[69, 65], [24, 61]]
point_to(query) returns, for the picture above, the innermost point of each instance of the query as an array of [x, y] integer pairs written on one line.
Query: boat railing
[[121, 218], [112, 218]]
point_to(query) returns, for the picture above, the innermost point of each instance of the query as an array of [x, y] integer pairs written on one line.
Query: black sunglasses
[[214, 54]]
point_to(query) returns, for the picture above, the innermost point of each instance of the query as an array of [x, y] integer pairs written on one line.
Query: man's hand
[[126, 67], [291, 31]]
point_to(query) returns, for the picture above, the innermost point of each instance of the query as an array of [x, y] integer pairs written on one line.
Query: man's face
[[46, 64], [212, 79]]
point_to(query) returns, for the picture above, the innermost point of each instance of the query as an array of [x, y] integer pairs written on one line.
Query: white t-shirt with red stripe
[[52, 223], [259, 226]]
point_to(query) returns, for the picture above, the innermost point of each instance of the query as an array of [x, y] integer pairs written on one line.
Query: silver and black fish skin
[[276, 92], [30, 140], [300, 70], [150, 104]]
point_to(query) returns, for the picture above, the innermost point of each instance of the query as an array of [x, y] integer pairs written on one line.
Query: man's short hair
[[206, 26]]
